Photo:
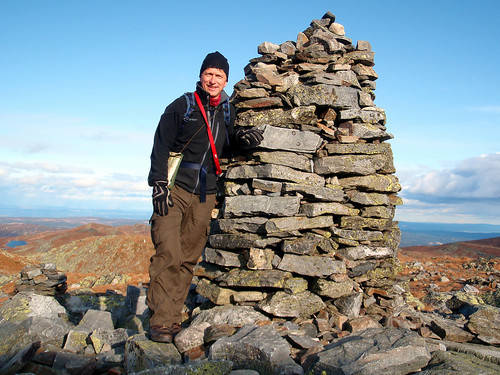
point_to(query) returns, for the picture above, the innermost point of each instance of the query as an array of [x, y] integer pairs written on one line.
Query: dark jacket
[[172, 135]]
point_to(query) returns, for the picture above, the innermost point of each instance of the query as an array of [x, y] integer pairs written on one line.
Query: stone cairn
[[306, 226], [44, 279]]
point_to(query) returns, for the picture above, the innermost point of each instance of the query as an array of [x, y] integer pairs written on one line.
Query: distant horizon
[[54, 212]]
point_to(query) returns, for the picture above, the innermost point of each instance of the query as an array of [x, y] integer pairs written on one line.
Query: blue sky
[[83, 84]]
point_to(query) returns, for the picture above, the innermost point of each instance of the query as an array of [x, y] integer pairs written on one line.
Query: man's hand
[[249, 138], [161, 198]]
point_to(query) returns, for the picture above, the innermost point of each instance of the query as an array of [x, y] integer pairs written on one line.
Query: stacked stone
[[307, 219], [44, 279]]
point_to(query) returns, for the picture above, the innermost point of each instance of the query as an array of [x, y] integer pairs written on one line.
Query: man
[[181, 217]]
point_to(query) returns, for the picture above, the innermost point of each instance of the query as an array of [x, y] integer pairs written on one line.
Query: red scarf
[[214, 102]]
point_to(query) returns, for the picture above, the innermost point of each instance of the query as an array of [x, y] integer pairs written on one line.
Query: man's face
[[213, 81]]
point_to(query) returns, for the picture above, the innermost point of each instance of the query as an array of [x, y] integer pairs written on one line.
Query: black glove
[[249, 138], [161, 198]]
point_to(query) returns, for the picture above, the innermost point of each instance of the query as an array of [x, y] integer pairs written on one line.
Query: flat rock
[[321, 193], [276, 138], [453, 363], [333, 208], [332, 289], [260, 205], [288, 159], [324, 95], [25, 305], [365, 252], [223, 258], [255, 278], [257, 348], [143, 354], [278, 116], [375, 183], [283, 224], [235, 316], [297, 305], [485, 323], [273, 171], [316, 266], [373, 351], [352, 164]]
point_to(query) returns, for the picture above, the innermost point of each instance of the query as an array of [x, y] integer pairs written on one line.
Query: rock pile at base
[[44, 279], [306, 225]]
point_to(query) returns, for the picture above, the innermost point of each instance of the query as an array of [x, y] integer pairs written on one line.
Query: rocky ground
[[91, 317]]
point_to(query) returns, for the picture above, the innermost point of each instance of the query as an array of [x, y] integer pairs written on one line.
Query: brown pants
[[179, 239]]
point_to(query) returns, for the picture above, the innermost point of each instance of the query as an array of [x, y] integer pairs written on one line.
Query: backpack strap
[[227, 112], [190, 107]]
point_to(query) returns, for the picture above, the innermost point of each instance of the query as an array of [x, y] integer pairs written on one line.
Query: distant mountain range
[[413, 234], [427, 234]]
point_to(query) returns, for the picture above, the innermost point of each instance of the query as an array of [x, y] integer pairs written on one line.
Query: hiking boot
[[160, 333]]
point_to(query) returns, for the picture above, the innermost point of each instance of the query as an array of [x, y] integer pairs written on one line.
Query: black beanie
[[215, 60]]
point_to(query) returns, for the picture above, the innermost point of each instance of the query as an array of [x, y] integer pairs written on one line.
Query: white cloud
[[477, 178], [468, 192]]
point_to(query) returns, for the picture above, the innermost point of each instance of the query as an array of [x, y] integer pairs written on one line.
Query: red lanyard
[[218, 171]]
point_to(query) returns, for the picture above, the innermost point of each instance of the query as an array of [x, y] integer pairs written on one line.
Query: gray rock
[[288, 159], [450, 330], [358, 235], [258, 348], [326, 39], [267, 47], [283, 224], [25, 305], [316, 266], [352, 164], [365, 252], [143, 354], [237, 316], [273, 171], [251, 205], [350, 304], [485, 353], [373, 351], [278, 116], [94, 319], [252, 93], [333, 208], [244, 224], [306, 245], [376, 183], [223, 258], [332, 289], [358, 148], [255, 278], [260, 259], [261, 102], [212, 291], [281, 304], [70, 363], [276, 138], [358, 222], [20, 359], [326, 193], [485, 323], [268, 186], [453, 363], [324, 95], [135, 300], [76, 341]]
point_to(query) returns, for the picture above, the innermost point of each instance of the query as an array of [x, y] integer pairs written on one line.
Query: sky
[[83, 84]]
